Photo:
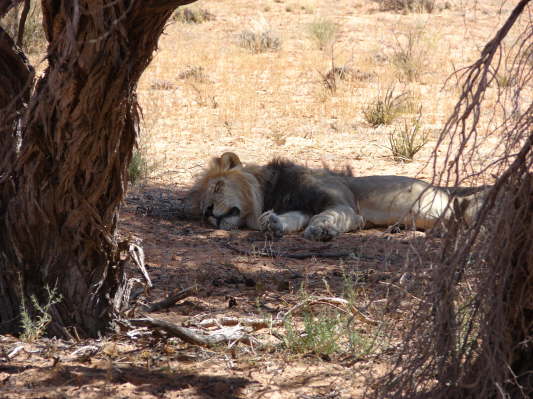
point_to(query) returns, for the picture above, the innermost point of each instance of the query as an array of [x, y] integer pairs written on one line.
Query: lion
[[283, 197]]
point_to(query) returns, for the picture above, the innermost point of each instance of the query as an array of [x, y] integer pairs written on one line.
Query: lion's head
[[229, 196]]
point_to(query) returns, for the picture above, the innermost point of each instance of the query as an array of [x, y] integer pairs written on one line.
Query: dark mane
[[291, 187]]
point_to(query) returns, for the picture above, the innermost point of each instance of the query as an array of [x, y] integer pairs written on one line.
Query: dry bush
[[192, 15], [161, 84], [472, 334], [407, 140], [413, 52], [344, 73], [259, 38], [194, 72], [407, 5], [323, 32], [386, 107], [141, 167]]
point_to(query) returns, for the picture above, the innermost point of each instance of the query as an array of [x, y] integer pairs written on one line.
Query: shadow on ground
[[241, 268], [110, 382]]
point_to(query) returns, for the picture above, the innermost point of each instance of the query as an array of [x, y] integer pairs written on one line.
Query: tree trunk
[[58, 222]]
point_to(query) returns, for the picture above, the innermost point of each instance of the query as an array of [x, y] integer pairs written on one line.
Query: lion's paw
[[270, 222], [320, 233]]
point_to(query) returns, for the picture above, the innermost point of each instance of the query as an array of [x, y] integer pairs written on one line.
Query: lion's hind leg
[[330, 223], [278, 225]]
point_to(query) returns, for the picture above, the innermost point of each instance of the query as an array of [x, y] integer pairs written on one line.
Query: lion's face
[[229, 195], [223, 205]]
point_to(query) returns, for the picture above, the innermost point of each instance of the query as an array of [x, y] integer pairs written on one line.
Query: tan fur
[[230, 196]]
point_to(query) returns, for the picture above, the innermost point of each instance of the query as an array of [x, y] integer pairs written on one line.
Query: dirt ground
[[260, 106]]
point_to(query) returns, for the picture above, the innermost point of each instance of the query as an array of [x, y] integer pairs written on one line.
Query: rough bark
[[16, 78], [58, 225]]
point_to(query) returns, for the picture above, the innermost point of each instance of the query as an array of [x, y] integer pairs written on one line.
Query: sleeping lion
[[283, 197]]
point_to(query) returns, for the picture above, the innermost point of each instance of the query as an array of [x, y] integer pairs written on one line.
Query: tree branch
[[22, 22], [192, 337], [6, 5]]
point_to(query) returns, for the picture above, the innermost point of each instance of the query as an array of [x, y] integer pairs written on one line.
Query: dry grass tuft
[[323, 32], [385, 108], [259, 42], [260, 38], [412, 53], [407, 140], [161, 84], [407, 5], [192, 15], [344, 73], [194, 72]]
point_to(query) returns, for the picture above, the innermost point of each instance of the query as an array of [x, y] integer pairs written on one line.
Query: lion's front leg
[[278, 225], [330, 223]]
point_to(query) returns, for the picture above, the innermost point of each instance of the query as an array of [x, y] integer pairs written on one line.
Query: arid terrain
[[334, 310]]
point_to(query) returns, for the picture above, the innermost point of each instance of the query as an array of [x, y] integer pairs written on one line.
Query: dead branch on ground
[[216, 338]]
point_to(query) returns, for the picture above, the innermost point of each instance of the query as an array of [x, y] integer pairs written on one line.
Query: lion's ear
[[229, 160]]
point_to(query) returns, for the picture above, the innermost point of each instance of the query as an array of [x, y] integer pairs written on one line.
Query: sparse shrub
[[259, 38], [161, 84], [325, 333], [343, 73], [407, 5], [320, 334], [323, 32], [140, 167], [192, 15], [407, 140], [384, 109], [195, 73], [412, 53], [34, 328]]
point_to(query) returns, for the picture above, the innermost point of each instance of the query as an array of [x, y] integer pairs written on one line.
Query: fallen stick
[[256, 324], [219, 337], [169, 300]]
